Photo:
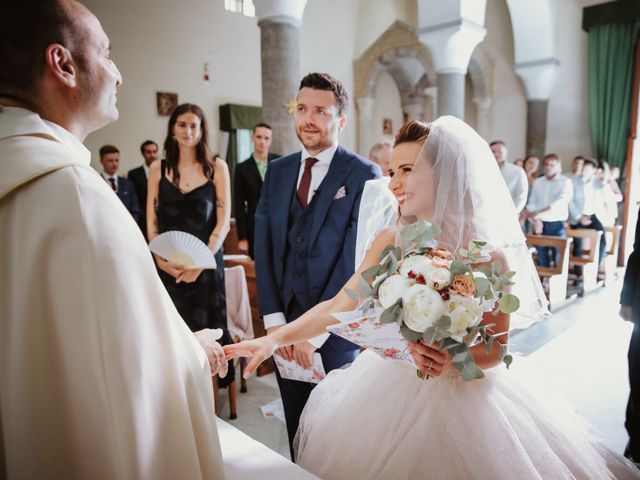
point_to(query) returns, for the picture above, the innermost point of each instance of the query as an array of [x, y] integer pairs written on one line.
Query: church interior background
[[517, 70]]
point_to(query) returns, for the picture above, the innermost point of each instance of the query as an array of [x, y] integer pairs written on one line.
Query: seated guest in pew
[[381, 154], [586, 201], [548, 207]]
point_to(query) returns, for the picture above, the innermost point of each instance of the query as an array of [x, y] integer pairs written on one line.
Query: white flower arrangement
[[438, 296]]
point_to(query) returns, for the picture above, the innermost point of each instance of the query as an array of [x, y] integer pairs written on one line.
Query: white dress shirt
[[107, 177], [554, 194], [318, 172], [516, 180]]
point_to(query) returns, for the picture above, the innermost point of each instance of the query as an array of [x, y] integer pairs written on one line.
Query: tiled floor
[[581, 350]]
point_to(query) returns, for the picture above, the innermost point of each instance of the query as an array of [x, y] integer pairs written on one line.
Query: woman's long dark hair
[[172, 150]]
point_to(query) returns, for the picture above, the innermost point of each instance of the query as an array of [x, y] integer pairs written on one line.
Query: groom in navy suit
[[305, 235]]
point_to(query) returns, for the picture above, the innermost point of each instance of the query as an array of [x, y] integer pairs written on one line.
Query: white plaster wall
[[162, 45], [376, 16], [387, 105], [327, 44], [568, 114], [509, 114]]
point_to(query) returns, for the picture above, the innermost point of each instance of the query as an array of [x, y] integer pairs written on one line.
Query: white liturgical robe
[[99, 376]]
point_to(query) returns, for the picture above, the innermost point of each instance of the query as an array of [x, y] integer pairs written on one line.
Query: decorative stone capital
[[539, 77], [365, 105], [280, 11], [451, 44]]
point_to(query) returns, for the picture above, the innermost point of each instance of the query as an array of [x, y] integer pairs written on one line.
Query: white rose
[[418, 264], [392, 290], [465, 312], [439, 277], [421, 307], [487, 304]]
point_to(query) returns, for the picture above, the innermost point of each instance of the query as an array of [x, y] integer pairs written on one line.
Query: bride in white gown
[[377, 419]]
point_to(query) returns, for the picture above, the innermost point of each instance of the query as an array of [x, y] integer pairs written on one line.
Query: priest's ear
[[59, 63]]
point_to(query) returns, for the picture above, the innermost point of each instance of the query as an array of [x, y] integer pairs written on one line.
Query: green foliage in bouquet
[[473, 282]]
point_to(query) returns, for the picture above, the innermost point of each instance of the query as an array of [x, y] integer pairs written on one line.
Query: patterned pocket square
[[341, 193]]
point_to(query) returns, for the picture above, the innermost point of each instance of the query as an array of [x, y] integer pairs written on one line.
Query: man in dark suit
[[630, 303], [110, 160], [138, 177], [305, 235], [247, 184]]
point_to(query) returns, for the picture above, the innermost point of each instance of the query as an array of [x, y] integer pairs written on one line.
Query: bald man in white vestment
[[99, 376]]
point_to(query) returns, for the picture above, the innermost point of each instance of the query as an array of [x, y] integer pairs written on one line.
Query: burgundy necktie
[[305, 182], [113, 183]]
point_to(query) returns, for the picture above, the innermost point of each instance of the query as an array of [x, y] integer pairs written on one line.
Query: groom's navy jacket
[[308, 254]]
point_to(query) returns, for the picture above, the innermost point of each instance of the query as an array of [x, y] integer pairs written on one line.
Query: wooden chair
[[557, 276], [258, 327], [612, 234], [589, 259]]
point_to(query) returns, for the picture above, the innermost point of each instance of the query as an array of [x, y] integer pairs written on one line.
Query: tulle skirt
[[377, 420]]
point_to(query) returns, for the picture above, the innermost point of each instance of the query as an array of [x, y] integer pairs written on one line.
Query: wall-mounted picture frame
[[387, 126], [166, 103]]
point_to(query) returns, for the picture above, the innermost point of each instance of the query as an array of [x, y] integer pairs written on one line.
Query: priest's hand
[[258, 350], [303, 354], [215, 354]]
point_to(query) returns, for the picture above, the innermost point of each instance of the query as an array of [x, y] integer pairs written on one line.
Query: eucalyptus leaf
[[508, 360], [365, 288], [444, 322], [371, 273], [392, 314], [461, 357], [471, 371], [430, 335], [409, 334], [509, 303], [352, 294], [458, 267], [482, 285]]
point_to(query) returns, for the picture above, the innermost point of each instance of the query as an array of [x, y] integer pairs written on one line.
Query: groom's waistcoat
[[296, 280]]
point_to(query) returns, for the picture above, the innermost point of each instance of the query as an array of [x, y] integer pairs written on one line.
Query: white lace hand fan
[[184, 249]]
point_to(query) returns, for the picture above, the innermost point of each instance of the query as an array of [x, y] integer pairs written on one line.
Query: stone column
[[539, 78], [483, 115], [413, 111], [451, 37], [279, 22], [430, 104], [365, 128]]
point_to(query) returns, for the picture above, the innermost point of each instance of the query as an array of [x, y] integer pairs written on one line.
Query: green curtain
[[611, 56]]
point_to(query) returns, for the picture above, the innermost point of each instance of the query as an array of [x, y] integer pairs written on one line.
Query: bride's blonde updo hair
[[412, 131]]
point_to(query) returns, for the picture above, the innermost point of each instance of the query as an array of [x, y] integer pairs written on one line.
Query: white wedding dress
[[378, 420]]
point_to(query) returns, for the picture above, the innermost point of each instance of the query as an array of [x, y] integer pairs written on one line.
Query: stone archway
[[399, 53]]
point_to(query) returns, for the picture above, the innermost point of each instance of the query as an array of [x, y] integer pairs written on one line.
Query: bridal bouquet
[[439, 296]]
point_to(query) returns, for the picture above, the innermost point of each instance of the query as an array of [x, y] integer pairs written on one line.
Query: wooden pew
[[557, 276], [589, 260], [612, 234]]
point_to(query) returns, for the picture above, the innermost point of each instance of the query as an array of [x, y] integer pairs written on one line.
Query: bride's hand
[[258, 349], [429, 359]]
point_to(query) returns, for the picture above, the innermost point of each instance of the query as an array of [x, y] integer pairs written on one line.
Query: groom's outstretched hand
[[258, 350]]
